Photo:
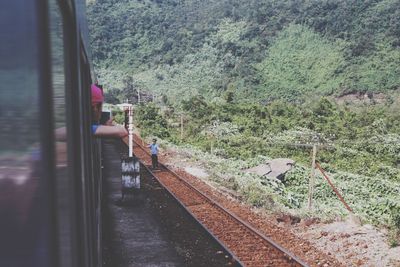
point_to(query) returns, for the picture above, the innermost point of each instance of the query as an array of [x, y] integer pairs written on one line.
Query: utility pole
[[130, 127], [138, 95], [312, 178], [181, 126]]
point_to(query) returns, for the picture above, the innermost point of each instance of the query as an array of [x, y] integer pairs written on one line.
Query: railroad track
[[248, 246]]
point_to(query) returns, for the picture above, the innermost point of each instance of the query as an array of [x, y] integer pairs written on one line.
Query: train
[[50, 164]]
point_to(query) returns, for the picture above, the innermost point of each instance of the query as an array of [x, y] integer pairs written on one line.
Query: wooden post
[[181, 126], [312, 178], [334, 188], [138, 95]]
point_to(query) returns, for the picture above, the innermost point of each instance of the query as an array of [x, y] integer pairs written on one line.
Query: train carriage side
[[50, 175]]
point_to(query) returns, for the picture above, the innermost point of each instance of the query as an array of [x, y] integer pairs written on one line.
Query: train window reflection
[[63, 184], [58, 79], [24, 213]]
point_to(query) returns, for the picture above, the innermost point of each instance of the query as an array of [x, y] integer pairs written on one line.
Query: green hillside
[[248, 80], [255, 49]]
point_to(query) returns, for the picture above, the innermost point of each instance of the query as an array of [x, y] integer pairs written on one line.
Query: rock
[[344, 235], [275, 168], [294, 219], [368, 227], [359, 262], [323, 233], [310, 221], [289, 219], [352, 218]]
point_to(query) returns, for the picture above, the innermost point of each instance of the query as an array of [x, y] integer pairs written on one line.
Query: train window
[[26, 216]]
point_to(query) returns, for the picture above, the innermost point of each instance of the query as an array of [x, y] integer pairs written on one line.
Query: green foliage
[[230, 65], [258, 49], [230, 33], [301, 62], [148, 118], [376, 72], [112, 96], [362, 159], [257, 195], [198, 74], [118, 116], [197, 107], [393, 242], [395, 215]]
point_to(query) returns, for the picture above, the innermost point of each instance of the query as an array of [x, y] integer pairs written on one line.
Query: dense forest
[[252, 79], [255, 49]]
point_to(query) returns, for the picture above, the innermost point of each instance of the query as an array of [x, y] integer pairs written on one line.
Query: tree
[[129, 92], [197, 107], [301, 62], [112, 96]]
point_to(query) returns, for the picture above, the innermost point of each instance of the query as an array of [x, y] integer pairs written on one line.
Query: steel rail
[[286, 253], [227, 250], [236, 259]]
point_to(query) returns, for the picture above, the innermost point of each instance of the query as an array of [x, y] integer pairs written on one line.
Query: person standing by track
[[154, 154]]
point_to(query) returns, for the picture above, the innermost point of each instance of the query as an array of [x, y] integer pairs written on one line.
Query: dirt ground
[[350, 242]]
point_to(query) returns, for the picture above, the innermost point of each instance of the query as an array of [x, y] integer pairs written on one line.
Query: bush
[[151, 122], [395, 215]]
